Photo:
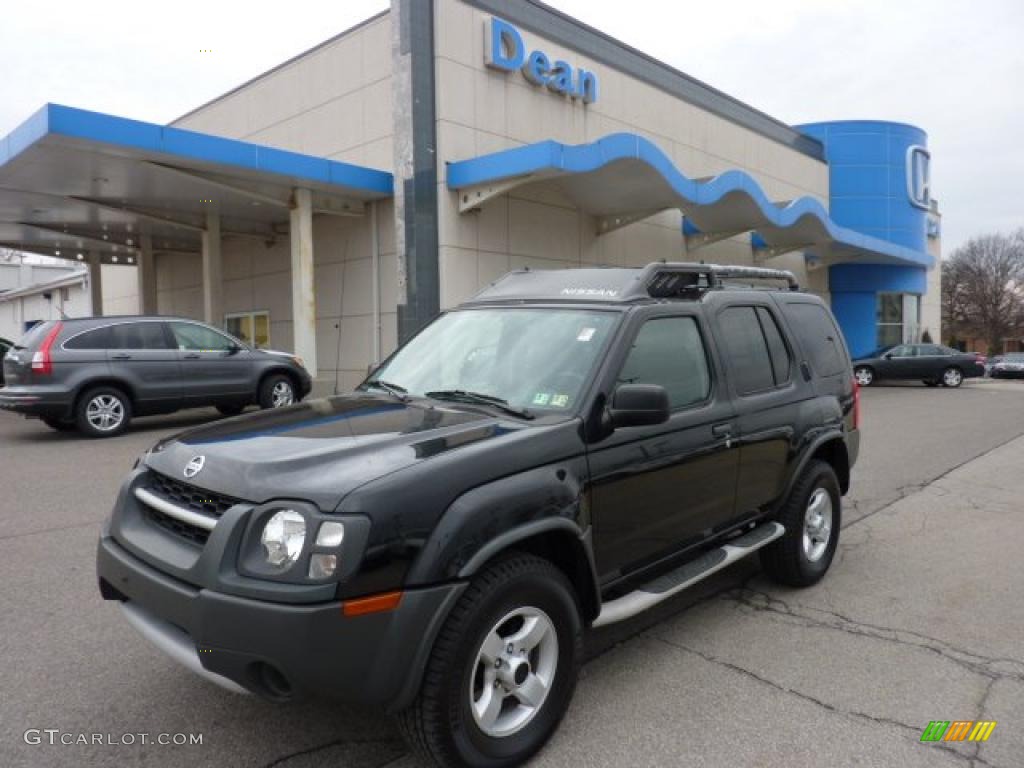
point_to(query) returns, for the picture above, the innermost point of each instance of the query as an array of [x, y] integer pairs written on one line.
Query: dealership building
[[333, 205]]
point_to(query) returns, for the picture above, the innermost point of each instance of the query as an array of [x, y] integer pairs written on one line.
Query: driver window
[[903, 351], [669, 351], [199, 338]]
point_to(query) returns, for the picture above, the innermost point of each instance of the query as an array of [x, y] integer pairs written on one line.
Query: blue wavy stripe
[[552, 158]]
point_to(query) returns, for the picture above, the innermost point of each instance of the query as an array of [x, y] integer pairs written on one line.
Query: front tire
[[502, 670], [812, 515], [277, 391], [864, 375], [952, 377], [103, 412]]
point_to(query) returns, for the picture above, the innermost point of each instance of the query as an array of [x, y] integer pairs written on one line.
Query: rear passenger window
[[818, 336], [746, 349], [670, 352], [95, 339], [138, 336], [776, 346]]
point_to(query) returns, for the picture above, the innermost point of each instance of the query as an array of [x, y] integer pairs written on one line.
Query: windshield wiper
[[464, 396], [395, 390]]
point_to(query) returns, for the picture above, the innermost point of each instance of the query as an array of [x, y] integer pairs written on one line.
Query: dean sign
[[504, 49]]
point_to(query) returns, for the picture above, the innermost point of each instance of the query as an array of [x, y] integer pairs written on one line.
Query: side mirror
[[888, 355], [639, 405]]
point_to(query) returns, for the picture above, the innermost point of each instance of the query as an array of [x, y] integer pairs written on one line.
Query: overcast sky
[[954, 68]]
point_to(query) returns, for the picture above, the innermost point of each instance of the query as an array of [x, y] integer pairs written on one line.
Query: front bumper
[[278, 650]]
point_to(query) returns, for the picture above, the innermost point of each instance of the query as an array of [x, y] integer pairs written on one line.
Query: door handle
[[193, 356], [721, 430], [120, 357]]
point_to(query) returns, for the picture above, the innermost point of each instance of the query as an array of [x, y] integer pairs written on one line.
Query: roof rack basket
[[755, 273], [664, 280]]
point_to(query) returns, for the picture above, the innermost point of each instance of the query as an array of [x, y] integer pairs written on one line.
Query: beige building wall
[[334, 101], [120, 289], [931, 302], [480, 110]]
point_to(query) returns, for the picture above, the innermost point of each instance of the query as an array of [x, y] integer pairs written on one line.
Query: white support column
[[303, 296], [213, 283], [95, 284], [146, 270]]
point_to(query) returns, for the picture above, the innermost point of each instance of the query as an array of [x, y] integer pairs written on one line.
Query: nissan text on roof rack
[[563, 451]]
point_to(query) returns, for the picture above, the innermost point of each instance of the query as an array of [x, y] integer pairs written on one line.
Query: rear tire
[[103, 412], [277, 391], [864, 375], [471, 711], [952, 377], [804, 553]]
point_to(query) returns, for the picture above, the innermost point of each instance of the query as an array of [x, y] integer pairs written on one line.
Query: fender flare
[[805, 458]]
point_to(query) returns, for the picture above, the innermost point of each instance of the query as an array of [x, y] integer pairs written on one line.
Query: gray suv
[[96, 373]]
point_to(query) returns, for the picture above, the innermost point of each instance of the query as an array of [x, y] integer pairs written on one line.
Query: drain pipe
[[375, 248]]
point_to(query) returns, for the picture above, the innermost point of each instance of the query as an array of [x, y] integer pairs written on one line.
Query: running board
[[688, 574]]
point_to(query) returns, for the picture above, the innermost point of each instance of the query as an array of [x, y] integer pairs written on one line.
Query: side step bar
[[688, 574]]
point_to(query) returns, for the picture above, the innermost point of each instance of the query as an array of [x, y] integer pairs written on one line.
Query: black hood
[[321, 450]]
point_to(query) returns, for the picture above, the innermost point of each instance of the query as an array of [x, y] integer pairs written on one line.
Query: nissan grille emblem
[[195, 466]]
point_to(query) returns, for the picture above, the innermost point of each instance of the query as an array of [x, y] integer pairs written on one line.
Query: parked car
[[931, 363], [1008, 366], [95, 374], [563, 451], [5, 346]]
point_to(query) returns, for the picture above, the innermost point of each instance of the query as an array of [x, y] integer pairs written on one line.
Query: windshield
[[538, 359]]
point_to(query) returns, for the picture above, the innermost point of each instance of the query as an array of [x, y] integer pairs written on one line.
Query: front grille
[[185, 496]]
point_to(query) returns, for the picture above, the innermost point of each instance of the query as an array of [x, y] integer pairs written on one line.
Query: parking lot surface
[[920, 619]]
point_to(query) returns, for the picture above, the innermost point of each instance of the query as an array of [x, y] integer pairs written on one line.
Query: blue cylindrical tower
[[878, 185]]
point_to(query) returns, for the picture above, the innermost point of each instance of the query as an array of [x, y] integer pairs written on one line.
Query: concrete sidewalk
[[921, 618]]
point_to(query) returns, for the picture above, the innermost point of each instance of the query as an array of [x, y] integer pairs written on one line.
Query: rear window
[[34, 335], [818, 336], [97, 338]]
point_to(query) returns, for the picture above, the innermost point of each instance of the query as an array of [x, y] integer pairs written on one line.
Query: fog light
[[283, 537], [330, 534], [322, 566]]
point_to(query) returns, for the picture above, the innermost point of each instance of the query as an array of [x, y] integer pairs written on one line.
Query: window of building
[[669, 352], [899, 318], [251, 327], [199, 338]]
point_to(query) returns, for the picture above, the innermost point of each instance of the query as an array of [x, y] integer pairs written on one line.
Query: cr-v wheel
[[103, 412], [865, 376], [811, 515], [502, 670], [277, 391], [952, 377]]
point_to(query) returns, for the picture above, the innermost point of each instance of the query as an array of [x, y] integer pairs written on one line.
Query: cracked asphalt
[[921, 618]]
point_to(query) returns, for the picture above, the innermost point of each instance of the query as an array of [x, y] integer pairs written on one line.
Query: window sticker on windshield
[[586, 334], [541, 398], [559, 401]]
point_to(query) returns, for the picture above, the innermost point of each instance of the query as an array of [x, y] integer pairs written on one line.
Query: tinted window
[[199, 337], [818, 336], [746, 349], [138, 336], [931, 349], [96, 339], [904, 350], [669, 351], [776, 346]]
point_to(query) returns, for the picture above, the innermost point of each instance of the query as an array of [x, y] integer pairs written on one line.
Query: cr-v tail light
[[42, 362], [856, 405]]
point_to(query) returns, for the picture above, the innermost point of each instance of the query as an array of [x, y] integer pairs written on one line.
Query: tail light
[[856, 404], [42, 362], [980, 358]]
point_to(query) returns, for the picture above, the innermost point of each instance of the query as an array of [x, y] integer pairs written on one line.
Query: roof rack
[[662, 280]]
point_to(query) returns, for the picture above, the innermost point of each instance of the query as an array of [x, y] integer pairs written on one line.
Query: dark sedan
[[1009, 366], [931, 363]]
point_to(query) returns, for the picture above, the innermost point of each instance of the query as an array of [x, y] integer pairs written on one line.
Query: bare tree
[[983, 289]]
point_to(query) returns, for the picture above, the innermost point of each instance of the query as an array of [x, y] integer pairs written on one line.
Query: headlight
[[299, 361], [283, 537]]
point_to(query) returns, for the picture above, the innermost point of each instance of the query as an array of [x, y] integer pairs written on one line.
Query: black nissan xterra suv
[[563, 451]]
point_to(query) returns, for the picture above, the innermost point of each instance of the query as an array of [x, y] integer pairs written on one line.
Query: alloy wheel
[[105, 413], [282, 394], [817, 524]]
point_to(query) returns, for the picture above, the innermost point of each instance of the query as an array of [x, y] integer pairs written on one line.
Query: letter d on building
[[503, 45]]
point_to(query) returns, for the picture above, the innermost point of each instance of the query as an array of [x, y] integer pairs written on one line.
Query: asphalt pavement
[[920, 618]]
